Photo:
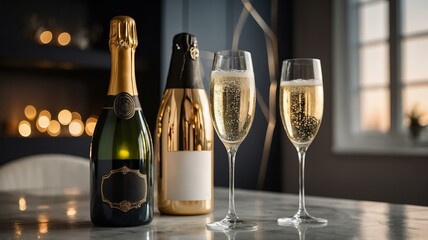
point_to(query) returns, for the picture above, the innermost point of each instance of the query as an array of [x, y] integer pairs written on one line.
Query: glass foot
[[301, 219], [229, 224]]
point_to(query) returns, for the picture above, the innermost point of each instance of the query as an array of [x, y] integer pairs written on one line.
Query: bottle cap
[[123, 32], [186, 43]]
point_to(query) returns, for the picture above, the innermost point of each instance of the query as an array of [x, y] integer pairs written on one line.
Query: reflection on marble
[[303, 228], [231, 234], [34, 215]]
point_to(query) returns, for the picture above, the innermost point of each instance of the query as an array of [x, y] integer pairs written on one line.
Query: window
[[381, 75]]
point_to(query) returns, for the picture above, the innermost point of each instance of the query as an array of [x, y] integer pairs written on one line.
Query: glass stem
[[231, 213], [301, 151]]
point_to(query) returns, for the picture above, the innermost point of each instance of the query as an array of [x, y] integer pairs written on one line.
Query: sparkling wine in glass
[[232, 106], [301, 108]]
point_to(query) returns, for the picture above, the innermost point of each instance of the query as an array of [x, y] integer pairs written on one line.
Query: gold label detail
[[131, 198], [194, 52]]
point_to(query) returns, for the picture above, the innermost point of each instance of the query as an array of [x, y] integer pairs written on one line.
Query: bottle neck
[[184, 72], [122, 77]]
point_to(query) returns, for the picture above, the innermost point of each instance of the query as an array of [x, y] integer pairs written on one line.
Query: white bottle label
[[189, 175]]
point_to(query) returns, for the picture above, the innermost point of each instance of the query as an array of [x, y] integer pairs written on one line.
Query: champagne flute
[[232, 106], [301, 107]]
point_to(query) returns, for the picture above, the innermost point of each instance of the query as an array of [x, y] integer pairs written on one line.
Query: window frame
[[347, 138]]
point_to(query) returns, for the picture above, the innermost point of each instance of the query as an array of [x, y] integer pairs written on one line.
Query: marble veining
[[45, 215]]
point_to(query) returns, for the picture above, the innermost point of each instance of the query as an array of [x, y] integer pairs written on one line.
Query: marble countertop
[[48, 215]]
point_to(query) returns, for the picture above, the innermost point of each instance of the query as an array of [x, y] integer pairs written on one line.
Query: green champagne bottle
[[122, 148]]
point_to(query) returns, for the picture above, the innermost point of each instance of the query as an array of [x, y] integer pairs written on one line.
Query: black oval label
[[124, 105], [124, 189]]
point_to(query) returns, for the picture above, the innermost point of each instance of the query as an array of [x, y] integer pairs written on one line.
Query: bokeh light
[[64, 117], [24, 128], [64, 38], [76, 115], [44, 122], [54, 128], [91, 122], [45, 37], [76, 128], [44, 119], [30, 112], [22, 204]]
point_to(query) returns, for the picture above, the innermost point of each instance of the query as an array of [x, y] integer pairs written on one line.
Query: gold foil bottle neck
[[122, 43], [123, 32]]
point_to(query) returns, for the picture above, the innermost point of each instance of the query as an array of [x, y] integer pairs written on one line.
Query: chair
[[45, 171]]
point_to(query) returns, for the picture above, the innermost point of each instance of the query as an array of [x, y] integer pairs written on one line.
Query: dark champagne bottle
[[184, 135], [122, 148]]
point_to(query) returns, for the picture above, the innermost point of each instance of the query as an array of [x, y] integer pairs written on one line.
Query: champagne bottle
[[184, 135], [121, 147]]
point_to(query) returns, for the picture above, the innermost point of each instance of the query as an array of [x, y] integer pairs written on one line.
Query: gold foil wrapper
[[123, 43], [123, 32]]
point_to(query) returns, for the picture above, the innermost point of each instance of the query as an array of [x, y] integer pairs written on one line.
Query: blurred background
[[372, 144]]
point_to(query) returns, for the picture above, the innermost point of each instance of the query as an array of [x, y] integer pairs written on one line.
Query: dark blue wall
[[213, 23]]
